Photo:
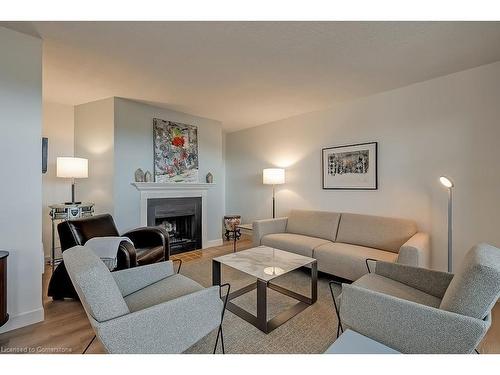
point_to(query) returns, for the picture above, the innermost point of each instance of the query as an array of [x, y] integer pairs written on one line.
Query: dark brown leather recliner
[[151, 245]]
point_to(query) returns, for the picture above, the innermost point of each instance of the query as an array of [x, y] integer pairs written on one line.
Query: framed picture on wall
[[175, 151], [351, 167]]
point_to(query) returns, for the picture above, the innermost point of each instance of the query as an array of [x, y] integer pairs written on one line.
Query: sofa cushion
[[319, 224], [348, 261], [396, 289], [475, 288], [170, 288], [383, 233], [295, 243]]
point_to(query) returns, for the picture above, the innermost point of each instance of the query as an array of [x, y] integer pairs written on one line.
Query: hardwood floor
[[67, 330]]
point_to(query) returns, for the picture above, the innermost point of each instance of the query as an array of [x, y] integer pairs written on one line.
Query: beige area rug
[[311, 331]]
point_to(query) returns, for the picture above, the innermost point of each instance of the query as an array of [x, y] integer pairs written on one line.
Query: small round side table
[[231, 223]]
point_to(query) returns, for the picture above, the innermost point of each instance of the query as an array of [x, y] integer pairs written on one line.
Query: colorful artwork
[[175, 151]]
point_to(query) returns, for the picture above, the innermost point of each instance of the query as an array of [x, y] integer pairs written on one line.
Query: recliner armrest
[[407, 326], [416, 251], [267, 226], [132, 279], [150, 237]]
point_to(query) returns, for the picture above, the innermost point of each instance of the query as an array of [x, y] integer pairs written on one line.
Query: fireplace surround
[[154, 190], [181, 218]]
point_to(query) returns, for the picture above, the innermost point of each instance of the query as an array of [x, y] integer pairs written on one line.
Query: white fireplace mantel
[[155, 186], [152, 190]]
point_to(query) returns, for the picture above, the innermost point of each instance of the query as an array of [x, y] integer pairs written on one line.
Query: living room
[[250, 187]]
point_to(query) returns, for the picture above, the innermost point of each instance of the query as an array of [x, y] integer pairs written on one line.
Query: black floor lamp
[[273, 176]]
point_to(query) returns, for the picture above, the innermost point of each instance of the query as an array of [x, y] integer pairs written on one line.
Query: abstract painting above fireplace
[[181, 218]]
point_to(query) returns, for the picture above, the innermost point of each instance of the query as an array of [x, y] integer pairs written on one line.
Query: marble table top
[[264, 262]]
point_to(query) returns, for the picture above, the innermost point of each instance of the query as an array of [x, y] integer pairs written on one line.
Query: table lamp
[[273, 176], [447, 183], [69, 167]]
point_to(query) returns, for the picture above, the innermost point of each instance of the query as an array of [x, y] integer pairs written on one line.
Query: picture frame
[[350, 167], [175, 152]]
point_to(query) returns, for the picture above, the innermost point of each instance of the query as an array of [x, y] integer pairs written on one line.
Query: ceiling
[[250, 73]]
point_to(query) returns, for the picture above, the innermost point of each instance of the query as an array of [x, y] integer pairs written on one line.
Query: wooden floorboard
[[66, 328]]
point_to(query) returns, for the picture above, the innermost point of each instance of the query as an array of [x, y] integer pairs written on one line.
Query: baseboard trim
[[214, 243], [24, 319]]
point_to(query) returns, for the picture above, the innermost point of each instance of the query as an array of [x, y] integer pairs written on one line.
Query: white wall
[[134, 149], [116, 135], [94, 140], [20, 164], [448, 125], [58, 127]]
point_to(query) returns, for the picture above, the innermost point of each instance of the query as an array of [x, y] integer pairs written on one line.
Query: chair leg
[[221, 335], [88, 346], [339, 325], [219, 332]]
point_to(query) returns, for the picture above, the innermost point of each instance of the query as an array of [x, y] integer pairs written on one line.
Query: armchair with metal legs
[[417, 310], [147, 309]]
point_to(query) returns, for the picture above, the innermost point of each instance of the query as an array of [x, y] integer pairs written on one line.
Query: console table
[[64, 212], [3, 288]]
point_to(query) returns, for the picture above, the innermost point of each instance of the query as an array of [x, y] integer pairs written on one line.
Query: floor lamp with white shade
[[273, 176], [448, 183]]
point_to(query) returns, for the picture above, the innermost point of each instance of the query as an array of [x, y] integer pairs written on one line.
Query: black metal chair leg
[[222, 340], [180, 264], [367, 265], [219, 332], [88, 346], [339, 326]]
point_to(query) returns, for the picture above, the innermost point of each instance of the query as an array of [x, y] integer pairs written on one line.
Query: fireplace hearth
[[181, 218]]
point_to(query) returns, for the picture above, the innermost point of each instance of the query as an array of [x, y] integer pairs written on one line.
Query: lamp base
[[71, 203]]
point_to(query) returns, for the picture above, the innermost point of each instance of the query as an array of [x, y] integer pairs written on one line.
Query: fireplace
[[181, 218]]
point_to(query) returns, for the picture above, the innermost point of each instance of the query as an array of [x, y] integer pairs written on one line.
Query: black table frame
[[260, 321]]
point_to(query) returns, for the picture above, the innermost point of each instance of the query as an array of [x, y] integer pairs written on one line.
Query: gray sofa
[[416, 310], [341, 242]]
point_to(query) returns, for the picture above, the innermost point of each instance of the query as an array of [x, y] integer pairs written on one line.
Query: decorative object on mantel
[[351, 167], [175, 151], [70, 167], [148, 177], [273, 176], [209, 178], [231, 223], [139, 175], [448, 183]]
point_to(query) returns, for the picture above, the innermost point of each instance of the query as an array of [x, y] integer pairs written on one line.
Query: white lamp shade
[[273, 176], [446, 182], [68, 167]]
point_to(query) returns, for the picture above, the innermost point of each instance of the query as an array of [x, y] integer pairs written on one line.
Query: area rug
[[311, 331]]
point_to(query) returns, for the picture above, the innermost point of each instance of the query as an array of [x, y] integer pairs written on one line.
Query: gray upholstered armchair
[[416, 310], [147, 309]]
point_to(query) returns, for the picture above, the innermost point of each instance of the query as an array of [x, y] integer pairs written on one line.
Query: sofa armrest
[[416, 251], [169, 327], [132, 279], [407, 326], [429, 281], [267, 226], [149, 237]]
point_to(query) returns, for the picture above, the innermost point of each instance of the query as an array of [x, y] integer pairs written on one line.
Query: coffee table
[[266, 264]]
